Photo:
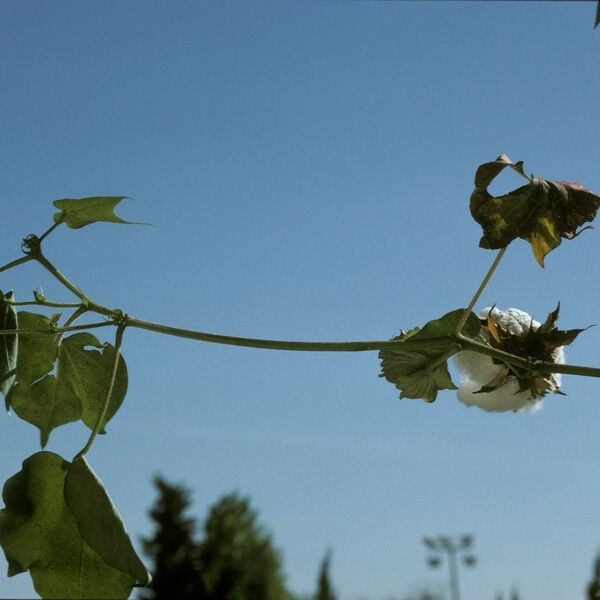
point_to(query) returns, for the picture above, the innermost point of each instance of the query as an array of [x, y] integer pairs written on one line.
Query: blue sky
[[307, 166]]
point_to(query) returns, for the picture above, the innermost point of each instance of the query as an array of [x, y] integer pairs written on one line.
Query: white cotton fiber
[[478, 370]]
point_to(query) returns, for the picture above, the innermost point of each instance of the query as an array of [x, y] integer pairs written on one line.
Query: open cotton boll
[[479, 370]]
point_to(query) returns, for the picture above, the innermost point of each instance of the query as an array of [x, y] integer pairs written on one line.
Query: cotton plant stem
[[78, 313], [480, 289], [261, 343], [39, 257], [14, 263], [47, 303], [462, 342], [541, 366], [57, 329], [51, 228], [109, 391]]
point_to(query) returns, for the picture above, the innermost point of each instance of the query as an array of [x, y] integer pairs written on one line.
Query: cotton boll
[[479, 370], [506, 397]]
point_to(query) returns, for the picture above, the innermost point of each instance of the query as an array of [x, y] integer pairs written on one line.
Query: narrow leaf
[[597, 15], [9, 344], [99, 522], [77, 213], [40, 533]]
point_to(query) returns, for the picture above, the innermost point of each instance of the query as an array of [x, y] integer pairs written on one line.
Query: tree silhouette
[[593, 590], [325, 590], [172, 547], [236, 557]]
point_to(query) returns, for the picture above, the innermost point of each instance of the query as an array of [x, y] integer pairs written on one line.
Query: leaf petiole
[[111, 385], [480, 289]]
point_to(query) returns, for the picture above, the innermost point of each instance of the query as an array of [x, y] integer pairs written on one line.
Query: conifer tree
[[593, 590], [325, 590], [172, 547], [237, 559]]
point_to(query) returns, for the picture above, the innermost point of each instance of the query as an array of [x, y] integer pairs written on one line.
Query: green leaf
[[541, 212], [39, 532], [418, 365], [99, 522], [37, 351], [47, 403], [9, 344], [597, 15], [88, 373], [77, 391], [77, 213]]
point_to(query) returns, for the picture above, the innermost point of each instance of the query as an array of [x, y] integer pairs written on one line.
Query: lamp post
[[454, 549]]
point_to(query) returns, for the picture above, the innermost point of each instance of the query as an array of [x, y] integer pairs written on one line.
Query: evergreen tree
[[172, 547], [325, 590], [236, 558], [593, 591]]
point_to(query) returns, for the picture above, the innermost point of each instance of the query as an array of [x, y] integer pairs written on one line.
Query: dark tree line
[[234, 559]]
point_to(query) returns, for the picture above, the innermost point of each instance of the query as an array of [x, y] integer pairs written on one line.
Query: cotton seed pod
[[490, 384]]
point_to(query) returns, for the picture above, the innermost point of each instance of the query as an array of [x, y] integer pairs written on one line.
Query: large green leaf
[[37, 351], [40, 532], [99, 522], [88, 373], [47, 403], [77, 213], [541, 212], [77, 391], [8, 343], [418, 366]]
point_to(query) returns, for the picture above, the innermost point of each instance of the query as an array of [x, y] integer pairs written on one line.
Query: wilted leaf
[[37, 351], [541, 212], [418, 366], [99, 522], [88, 373], [77, 213], [9, 344], [40, 532]]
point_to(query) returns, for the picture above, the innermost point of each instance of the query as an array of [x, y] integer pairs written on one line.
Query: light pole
[[454, 549]]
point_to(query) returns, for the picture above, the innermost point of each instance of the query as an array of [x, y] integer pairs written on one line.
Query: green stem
[[78, 313], [260, 343], [18, 261], [111, 385], [47, 303], [39, 257], [54, 271], [52, 228], [480, 289], [57, 329], [542, 366]]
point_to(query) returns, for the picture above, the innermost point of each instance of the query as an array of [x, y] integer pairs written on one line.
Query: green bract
[[418, 366]]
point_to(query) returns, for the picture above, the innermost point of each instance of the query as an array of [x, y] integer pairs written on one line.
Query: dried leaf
[[541, 212]]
